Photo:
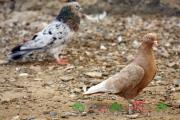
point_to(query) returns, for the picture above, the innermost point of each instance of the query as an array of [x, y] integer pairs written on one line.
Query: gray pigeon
[[54, 37]]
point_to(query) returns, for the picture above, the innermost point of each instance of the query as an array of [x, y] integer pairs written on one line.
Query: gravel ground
[[39, 89]]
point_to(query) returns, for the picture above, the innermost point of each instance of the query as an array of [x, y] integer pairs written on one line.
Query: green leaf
[[115, 107], [78, 106], [161, 106]]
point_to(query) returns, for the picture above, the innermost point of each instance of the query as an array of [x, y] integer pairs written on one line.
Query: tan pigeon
[[134, 77]]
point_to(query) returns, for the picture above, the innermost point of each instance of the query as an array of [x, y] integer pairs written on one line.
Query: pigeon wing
[[55, 31]]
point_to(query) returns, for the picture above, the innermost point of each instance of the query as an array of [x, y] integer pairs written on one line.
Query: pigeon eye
[[77, 7]]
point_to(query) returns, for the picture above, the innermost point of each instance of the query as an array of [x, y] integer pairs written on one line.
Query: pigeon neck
[[145, 53], [73, 23], [146, 46], [70, 18]]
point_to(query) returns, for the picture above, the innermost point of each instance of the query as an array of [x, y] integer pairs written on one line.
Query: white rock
[[16, 118], [94, 74], [135, 44], [23, 74], [102, 47], [119, 39]]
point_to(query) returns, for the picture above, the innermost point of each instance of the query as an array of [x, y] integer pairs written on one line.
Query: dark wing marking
[[47, 36]]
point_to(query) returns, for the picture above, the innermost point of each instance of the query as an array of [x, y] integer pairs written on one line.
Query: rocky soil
[[39, 89]]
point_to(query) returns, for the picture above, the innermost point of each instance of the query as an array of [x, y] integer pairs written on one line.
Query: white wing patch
[[55, 34]]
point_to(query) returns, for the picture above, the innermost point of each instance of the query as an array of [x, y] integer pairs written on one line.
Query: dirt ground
[[39, 89]]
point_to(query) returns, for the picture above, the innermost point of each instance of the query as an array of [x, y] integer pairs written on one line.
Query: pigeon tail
[[17, 53], [101, 87]]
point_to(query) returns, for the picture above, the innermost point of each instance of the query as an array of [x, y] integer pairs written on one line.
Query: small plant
[[114, 107], [78, 106], [161, 106]]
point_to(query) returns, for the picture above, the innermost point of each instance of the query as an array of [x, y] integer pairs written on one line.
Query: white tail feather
[[97, 88]]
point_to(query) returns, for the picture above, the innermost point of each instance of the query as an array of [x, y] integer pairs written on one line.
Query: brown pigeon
[[134, 77]]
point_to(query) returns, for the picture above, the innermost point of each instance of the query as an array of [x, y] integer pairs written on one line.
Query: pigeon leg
[[136, 105], [58, 52], [62, 60], [130, 107]]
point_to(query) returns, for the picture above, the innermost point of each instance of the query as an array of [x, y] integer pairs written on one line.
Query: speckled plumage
[[54, 37]]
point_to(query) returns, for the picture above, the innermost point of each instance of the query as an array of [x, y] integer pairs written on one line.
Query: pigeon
[[133, 78], [54, 37]]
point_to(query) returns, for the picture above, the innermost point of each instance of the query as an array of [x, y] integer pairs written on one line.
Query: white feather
[[101, 87]]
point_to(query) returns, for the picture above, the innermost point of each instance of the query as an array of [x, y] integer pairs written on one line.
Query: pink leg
[[103, 109], [62, 61], [137, 105]]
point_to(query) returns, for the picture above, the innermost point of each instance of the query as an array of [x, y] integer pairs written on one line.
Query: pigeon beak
[[156, 42]]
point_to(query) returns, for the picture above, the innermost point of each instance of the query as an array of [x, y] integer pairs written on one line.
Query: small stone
[[31, 118], [135, 44], [157, 78], [72, 95], [77, 90], [66, 78], [16, 118], [68, 114], [56, 99], [102, 47], [95, 82], [94, 74], [84, 114], [88, 53], [38, 79], [53, 114], [69, 67], [173, 65], [177, 89], [120, 40], [177, 83], [133, 116], [4, 62], [23, 74], [130, 57]]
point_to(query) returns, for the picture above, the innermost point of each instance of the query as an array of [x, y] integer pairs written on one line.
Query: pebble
[[102, 47], [133, 116], [94, 74], [4, 62], [173, 65], [95, 82], [135, 44], [31, 118], [66, 78], [177, 82], [84, 114], [23, 74], [53, 114], [16, 118], [130, 57], [77, 90], [119, 39], [68, 114]]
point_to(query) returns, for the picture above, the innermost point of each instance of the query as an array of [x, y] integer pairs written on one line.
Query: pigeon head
[[70, 14], [150, 39], [70, 11]]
